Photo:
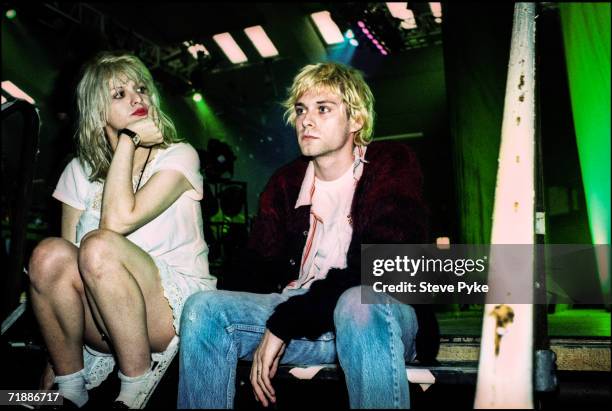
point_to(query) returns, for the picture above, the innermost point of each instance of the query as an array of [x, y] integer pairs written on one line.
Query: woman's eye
[[118, 94], [142, 89], [299, 111], [323, 109]]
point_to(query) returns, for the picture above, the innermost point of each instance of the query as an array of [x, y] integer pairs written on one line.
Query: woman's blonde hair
[[93, 102], [346, 82]]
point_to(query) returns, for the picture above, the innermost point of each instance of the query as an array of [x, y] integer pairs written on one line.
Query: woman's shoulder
[[178, 154], [179, 149], [78, 167]]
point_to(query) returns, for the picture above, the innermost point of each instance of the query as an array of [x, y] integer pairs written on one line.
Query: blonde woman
[[132, 250]]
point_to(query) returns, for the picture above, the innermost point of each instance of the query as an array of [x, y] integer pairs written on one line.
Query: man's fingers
[[274, 367], [256, 382], [253, 373], [262, 384], [267, 383], [260, 395]]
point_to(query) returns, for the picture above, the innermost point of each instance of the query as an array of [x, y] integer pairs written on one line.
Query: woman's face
[[130, 102]]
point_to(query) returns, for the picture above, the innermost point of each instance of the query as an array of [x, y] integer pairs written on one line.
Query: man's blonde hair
[[93, 103], [346, 82]]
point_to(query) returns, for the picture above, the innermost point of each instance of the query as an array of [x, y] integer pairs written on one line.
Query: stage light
[[399, 10], [436, 10], [354, 42], [443, 243], [408, 24], [261, 41], [197, 97], [349, 34], [195, 48], [11, 14], [327, 27], [219, 160], [231, 49], [16, 92]]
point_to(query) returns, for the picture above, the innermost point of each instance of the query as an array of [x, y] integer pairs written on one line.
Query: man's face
[[322, 124]]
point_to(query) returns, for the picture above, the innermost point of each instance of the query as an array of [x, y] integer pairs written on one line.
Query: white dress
[[174, 239]]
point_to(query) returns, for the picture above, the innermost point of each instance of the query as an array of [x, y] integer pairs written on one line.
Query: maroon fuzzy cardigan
[[387, 208]]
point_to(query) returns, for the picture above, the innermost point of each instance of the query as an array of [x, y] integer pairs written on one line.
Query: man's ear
[[355, 124]]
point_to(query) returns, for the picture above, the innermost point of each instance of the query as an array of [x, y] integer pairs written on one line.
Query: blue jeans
[[371, 343]]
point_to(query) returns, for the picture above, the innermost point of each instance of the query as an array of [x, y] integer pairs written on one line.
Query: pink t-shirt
[[331, 230], [175, 236]]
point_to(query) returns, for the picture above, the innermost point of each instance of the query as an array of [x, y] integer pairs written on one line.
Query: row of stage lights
[[380, 45], [371, 35]]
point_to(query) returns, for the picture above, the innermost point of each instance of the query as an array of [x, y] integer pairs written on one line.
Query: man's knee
[[194, 308], [350, 310], [360, 307], [201, 309]]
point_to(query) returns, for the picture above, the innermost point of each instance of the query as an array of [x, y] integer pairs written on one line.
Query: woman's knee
[[96, 253], [52, 259]]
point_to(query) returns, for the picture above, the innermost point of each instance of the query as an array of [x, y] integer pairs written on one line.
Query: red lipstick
[[140, 112]]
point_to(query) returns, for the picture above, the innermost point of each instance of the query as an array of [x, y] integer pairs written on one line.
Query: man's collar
[[308, 187]]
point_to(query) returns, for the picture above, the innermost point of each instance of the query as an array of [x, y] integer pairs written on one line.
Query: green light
[[11, 13], [209, 121], [586, 36], [197, 97]]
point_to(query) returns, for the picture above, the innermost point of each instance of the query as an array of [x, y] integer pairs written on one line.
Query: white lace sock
[[72, 386], [132, 386]]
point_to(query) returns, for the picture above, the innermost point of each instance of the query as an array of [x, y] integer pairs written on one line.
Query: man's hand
[[265, 364]]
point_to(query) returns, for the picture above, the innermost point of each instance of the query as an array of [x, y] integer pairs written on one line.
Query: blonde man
[[314, 215], [112, 287]]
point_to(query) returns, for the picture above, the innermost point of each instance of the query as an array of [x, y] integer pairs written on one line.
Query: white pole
[[505, 372]]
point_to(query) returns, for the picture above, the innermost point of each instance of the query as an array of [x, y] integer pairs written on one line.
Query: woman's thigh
[[118, 250], [54, 264]]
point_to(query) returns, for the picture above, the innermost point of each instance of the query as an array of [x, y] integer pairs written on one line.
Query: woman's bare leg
[[60, 306], [124, 283]]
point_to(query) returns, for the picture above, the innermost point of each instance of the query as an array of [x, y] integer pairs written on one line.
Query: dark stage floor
[[579, 329]]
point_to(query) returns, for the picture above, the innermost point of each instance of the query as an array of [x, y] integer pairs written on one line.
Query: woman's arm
[[70, 218], [122, 210]]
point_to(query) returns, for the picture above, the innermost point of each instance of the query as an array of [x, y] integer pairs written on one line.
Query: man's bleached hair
[[346, 82], [94, 98]]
